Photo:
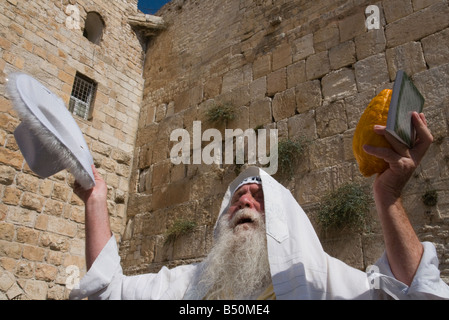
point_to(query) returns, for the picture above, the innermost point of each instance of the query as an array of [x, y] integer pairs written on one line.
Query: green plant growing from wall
[[289, 152], [221, 112], [180, 227], [346, 207]]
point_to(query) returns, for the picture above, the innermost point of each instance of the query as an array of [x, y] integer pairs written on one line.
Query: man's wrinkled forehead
[[249, 180]]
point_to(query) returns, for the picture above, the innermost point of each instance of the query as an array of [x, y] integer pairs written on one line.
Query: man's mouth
[[244, 220]]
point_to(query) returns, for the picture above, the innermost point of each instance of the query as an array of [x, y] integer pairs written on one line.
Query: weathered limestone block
[[331, 119], [371, 72], [6, 231], [339, 84], [326, 152], [7, 175], [282, 56], [396, 9], [296, 73], [352, 26], [284, 104], [232, 80], [326, 38], [433, 84], [62, 226], [317, 65], [342, 55], [356, 104], [302, 125], [408, 57], [258, 89], [303, 47], [348, 249], [36, 289], [370, 43], [191, 245], [276, 82], [308, 96], [172, 194], [262, 66], [260, 112], [161, 173], [418, 25], [310, 187], [436, 48], [241, 120]]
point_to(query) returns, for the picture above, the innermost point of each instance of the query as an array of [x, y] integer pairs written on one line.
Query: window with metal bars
[[82, 97]]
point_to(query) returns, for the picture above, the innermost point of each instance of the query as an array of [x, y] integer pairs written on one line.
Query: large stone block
[[317, 65], [260, 112], [296, 74], [342, 55], [418, 25], [331, 119], [310, 188], [7, 175], [258, 88], [170, 195], [371, 72], [262, 66], [356, 104], [339, 84], [282, 56], [408, 57], [352, 26], [284, 104], [396, 9], [308, 96], [303, 47], [326, 38], [276, 82], [370, 43], [347, 249], [62, 226], [436, 48], [433, 85], [302, 125]]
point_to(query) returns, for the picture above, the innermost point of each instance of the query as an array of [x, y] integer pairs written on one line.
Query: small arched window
[[93, 28]]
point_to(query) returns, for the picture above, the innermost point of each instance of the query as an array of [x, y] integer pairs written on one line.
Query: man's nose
[[246, 201]]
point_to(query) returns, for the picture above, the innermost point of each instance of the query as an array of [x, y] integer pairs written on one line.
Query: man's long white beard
[[237, 266]]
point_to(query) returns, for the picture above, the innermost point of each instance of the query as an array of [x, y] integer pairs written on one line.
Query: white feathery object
[[48, 136]]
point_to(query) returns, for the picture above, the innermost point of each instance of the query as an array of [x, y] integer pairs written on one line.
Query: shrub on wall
[[346, 207]]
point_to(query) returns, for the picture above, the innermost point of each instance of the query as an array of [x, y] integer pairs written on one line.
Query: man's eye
[[258, 194], [234, 199]]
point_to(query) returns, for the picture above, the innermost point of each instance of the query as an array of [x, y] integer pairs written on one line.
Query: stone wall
[[41, 220], [304, 67]]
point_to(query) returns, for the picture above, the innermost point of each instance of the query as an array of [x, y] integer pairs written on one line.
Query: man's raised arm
[[98, 230], [403, 248]]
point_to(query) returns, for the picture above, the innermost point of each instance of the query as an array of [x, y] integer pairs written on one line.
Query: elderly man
[[266, 248]]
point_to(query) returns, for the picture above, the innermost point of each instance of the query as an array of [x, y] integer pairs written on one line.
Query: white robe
[[300, 269]]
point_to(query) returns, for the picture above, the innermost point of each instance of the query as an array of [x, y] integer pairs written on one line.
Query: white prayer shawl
[[300, 268]]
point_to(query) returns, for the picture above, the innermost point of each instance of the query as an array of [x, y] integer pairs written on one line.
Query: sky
[[151, 6]]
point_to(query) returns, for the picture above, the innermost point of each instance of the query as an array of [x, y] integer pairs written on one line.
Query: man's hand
[[97, 193], [402, 160]]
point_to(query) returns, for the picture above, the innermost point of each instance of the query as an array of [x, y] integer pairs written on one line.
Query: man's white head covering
[[249, 180], [300, 269], [48, 137]]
